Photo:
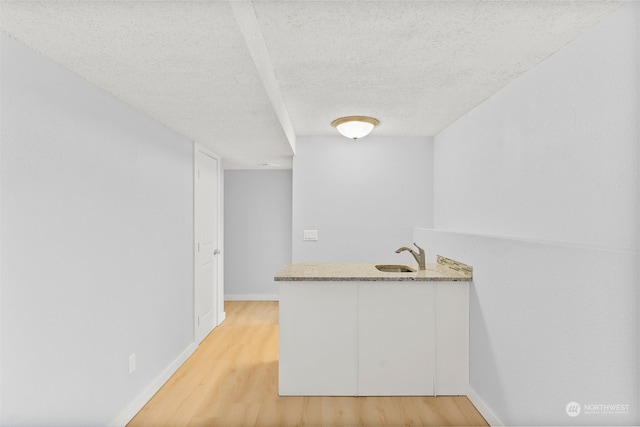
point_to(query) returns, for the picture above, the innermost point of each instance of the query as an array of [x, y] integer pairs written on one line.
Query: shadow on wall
[[485, 373]]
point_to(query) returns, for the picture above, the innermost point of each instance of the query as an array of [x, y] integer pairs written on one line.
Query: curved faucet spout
[[404, 248], [419, 257]]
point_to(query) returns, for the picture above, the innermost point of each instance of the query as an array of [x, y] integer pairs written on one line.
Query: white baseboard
[[127, 415], [252, 297], [482, 407]]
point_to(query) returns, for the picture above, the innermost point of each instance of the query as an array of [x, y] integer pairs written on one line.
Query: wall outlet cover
[[310, 235], [132, 363]]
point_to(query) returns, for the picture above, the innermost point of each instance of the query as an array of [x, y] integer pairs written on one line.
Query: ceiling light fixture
[[355, 127]]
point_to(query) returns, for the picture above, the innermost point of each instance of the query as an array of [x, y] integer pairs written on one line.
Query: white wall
[[554, 155], [363, 197], [257, 232], [549, 324], [97, 247], [541, 182]]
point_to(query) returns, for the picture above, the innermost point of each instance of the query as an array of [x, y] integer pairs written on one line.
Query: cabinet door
[[452, 336], [396, 339], [317, 338]]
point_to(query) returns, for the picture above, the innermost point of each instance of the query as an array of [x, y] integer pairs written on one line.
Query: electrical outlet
[[132, 363]]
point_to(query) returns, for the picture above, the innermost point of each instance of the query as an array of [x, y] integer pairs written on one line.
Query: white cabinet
[[318, 338], [396, 339], [452, 338], [374, 338]]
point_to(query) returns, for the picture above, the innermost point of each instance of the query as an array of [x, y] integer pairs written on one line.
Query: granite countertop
[[444, 270]]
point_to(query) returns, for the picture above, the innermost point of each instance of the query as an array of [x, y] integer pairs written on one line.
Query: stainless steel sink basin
[[395, 268]]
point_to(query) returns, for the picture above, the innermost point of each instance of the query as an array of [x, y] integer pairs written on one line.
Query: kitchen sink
[[395, 268]]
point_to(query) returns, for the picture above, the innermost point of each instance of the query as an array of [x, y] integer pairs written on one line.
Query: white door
[[206, 244]]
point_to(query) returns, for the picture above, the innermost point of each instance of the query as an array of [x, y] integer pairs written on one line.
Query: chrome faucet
[[418, 256]]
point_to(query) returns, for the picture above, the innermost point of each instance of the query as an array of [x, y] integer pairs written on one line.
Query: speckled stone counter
[[445, 270]]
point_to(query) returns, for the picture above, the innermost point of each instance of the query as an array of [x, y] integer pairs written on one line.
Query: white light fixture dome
[[355, 127]]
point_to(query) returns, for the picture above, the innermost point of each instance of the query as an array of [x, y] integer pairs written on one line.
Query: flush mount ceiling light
[[355, 127]]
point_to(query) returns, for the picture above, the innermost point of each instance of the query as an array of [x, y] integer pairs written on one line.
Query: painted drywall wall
[[554, 155], [364, 197], [549, 165], [97, 247], [549, 324], [257, 232]]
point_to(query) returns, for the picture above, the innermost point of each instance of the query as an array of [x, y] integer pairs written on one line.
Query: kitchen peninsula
[[352, 330]]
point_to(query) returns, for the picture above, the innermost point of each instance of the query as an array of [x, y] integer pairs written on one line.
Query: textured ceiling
[[246, 78]]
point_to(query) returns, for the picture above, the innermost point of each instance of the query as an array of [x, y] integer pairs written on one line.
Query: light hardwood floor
[[232, 380]]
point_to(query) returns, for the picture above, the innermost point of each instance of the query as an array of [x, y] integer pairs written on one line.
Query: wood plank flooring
[[232, 380]]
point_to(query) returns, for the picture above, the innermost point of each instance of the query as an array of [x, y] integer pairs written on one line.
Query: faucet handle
[[416, 245]]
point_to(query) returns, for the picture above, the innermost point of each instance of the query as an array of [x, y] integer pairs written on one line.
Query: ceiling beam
[[245, 15]]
